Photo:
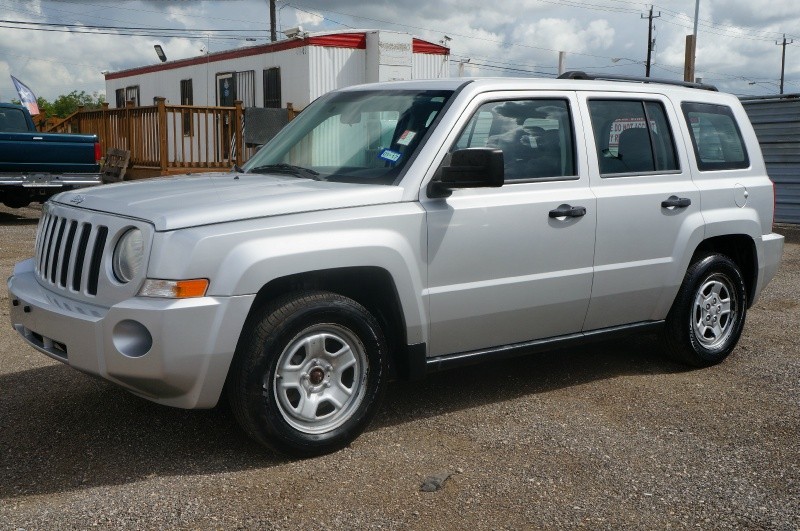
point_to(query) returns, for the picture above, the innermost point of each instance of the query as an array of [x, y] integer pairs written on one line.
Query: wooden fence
[[168, 138]]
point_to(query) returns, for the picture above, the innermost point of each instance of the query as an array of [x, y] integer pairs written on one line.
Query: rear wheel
[[309, 373], [707, 317]]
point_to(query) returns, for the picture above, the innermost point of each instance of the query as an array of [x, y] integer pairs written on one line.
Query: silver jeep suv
[[396, 229]]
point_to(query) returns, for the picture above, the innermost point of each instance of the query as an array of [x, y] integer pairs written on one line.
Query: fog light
[[131, 338]]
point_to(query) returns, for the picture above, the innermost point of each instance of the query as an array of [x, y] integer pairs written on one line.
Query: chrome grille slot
[[59, 232], [77, 274], [97, 256], [65, 264], [47, 234]]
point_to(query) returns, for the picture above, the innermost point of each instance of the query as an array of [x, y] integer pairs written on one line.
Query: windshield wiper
[[299, 171]]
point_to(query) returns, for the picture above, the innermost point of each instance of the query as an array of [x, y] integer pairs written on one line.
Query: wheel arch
[[742, 250], [372, 287]]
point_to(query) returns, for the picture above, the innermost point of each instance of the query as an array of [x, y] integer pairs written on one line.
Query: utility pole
[[691, 48], [783, 57], [273, 36], [651, 42]]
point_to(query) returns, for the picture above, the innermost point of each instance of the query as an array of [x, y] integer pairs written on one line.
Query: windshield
[[357, 137]]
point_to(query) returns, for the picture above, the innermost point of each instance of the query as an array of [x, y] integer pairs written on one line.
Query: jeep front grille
[[69, 253]]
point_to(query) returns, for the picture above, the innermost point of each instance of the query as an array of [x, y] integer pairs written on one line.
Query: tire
[[309, 373], [13, 201], [707, 317]]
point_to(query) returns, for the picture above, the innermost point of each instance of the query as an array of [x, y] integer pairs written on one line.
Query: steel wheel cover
[[320, 378], [715, 311]]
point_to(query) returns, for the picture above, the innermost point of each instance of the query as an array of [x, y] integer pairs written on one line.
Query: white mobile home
[[296, 70]]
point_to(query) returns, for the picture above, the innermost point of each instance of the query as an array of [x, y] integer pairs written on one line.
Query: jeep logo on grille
[[77, 199]]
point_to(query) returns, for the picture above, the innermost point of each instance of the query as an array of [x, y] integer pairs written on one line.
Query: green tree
[[66, 104]]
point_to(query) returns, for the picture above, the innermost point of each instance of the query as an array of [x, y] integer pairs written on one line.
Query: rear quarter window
[[13, 120], [716, 138]]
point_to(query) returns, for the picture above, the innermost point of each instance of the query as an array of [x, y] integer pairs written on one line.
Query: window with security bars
[[132, 94], [187, 99], [272, 88], [246, 87]]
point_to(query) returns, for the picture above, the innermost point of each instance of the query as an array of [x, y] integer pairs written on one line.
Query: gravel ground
[[611, 436]]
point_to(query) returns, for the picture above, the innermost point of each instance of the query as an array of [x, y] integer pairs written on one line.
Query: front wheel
[[707, 317], [309, 373]]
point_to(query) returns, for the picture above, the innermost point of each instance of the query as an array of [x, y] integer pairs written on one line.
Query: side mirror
[[469, 168]]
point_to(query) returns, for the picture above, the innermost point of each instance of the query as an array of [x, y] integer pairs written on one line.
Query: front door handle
[[675, 201], [568, 211]]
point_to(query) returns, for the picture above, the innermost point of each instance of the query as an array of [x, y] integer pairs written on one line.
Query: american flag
[[26, 96]]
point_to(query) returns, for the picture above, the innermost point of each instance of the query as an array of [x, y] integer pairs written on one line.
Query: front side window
[[717, 141], [356, 136], [632, 136], [536, 137]]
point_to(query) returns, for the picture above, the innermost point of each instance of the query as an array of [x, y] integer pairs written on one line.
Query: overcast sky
[[736, 39]]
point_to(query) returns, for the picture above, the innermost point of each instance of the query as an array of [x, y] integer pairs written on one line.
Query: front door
[[501, 269]]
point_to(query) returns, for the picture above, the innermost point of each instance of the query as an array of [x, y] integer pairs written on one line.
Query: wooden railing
[[167, 137]]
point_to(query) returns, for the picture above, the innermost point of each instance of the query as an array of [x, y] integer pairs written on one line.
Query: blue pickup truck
[[35, 166]]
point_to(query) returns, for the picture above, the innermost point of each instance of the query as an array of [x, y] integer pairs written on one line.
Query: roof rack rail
[[577, 74]]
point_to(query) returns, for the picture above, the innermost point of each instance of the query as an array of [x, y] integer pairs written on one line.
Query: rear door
[[501, 269], [648, 208]]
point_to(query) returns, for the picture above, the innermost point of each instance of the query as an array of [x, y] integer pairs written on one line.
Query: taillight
[[98, 153]]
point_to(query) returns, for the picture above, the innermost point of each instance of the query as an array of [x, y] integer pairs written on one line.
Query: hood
[[203, 199]]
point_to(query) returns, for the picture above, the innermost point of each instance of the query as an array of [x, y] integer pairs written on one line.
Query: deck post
[[239, 131], [129, 130], [163, 146], [104, 127], [80, 119]]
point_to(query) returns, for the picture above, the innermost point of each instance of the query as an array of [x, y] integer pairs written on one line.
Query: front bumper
[[174, 352]]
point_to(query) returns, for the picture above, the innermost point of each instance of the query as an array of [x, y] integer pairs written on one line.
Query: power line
[[119, 7], [126, 28]]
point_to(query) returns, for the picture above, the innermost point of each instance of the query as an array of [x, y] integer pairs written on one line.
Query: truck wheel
[[16, 202], [707, 317], [309, 373]]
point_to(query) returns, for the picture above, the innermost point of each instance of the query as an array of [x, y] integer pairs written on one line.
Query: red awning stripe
[[356, 41]]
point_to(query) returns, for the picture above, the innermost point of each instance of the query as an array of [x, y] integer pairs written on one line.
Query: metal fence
[[776, 120]]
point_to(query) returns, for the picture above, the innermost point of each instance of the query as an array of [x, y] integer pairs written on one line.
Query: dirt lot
[[611, 436]]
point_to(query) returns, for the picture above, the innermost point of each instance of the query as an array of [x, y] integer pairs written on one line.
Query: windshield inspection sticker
[[406, 138], [391, 156]]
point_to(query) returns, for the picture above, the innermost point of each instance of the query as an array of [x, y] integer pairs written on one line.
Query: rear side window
[[536, 137], [717, 141], [13, 120], [632, 136]]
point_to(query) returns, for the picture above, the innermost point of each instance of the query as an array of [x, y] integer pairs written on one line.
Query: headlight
[[128, 256]]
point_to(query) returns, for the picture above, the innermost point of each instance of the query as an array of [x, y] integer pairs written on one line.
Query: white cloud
[[520, 39]]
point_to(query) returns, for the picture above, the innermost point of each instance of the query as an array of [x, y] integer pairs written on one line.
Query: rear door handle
[[568, 211], [675, 201]]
